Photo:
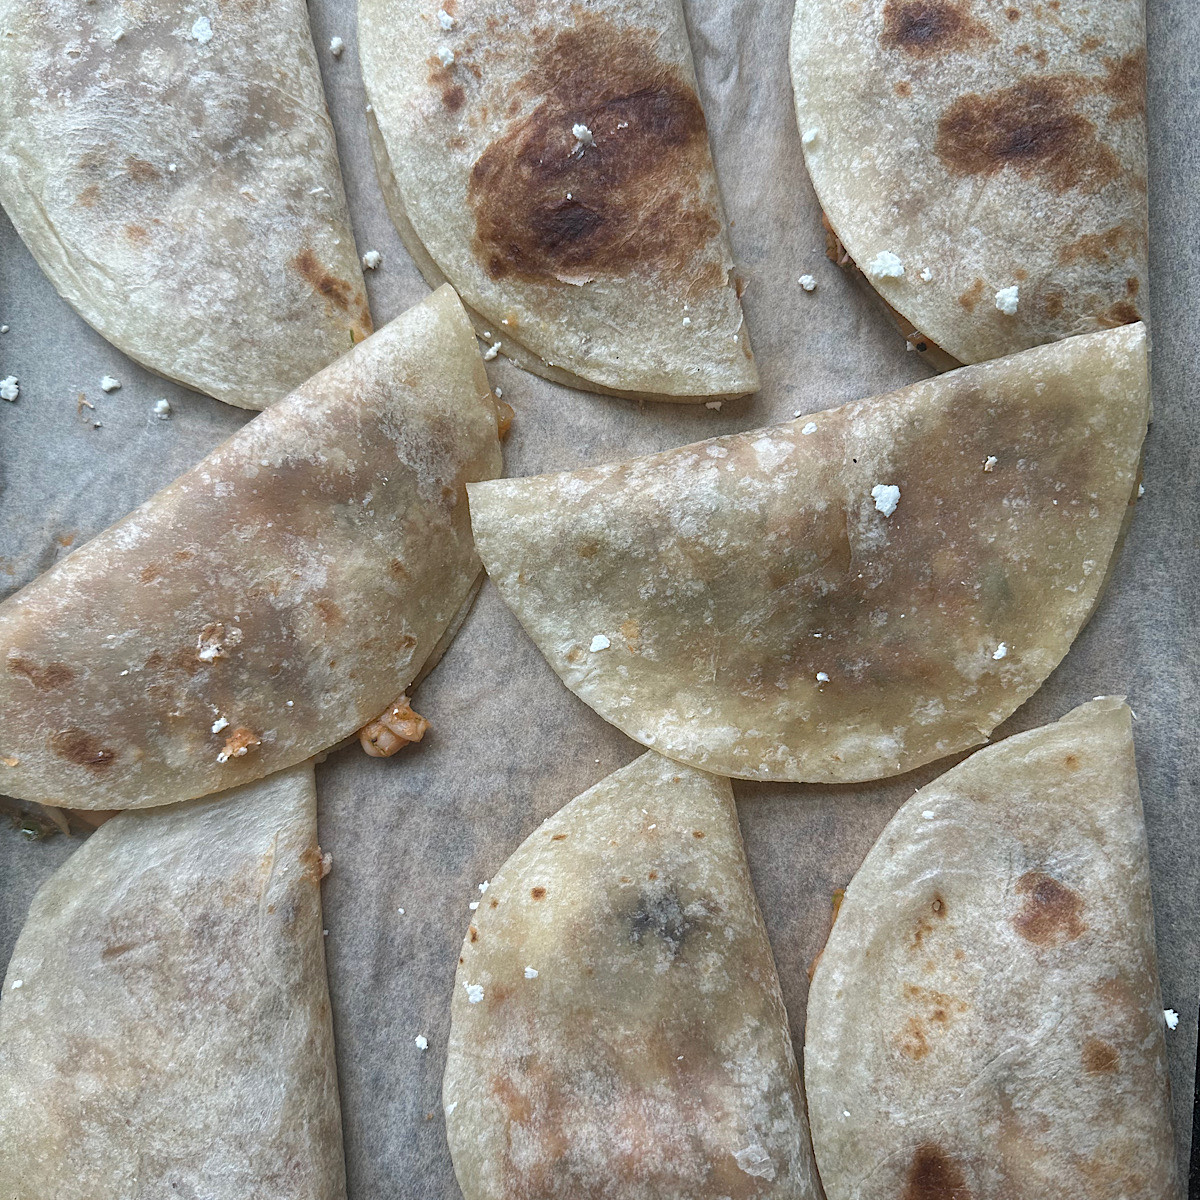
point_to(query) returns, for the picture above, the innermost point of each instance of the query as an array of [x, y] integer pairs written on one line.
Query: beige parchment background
[[509, 744]]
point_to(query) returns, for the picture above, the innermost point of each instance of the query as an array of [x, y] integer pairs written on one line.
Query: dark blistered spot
[[140, 169], [1032, 128], [1051, 912], [1099, 1058], [538, 893], [44, 678], [474, 933], [928, 27], [697, 833], [972, 295], [934, 1175], [549, 208], [1121, 313], [659, 914], [80, 747], [902, 88], [1125, 85], [337, 291], [453, 97]]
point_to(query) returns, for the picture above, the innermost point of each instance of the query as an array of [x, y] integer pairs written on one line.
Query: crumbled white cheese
[[1169, 1015], [445, 20], [886, 497], [808, 137], [811, 427], [172, 167], [336, 46], [754, 1160], [1141, 490], [599, 642], [483, 887], [202, 30], [474, 992], [3, 328], [10, 388], [928, 814], [715, 405], [885, 265], [451, 1107], [491, 351], [400, 911], [219, 724], [17, 983], [162, 408], [808, 283], [822, 677], [371, 260], [473, 905], [1007, 300], [445, 55], [687, 321], [109, 384], [990, 462], [421, 1042], [583, 135], [1001, 651], [926, 274], [210, 652], [499, 393], [530, 973]]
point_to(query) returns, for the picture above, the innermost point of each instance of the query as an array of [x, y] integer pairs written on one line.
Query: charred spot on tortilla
[[934, 1175], [1032, 127], [1051, 913], [658, 916], [550, 207], [44, 678], [925, 28], [82, 748], [1099, 1058]]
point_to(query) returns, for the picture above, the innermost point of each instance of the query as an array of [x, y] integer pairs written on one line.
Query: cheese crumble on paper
[[445, 20], [1007, 300], [474, 992], [109, 384], [599, 642], [336, 46], [886, 497], [421, 1042], [885, 265], [1171, 1017], [10, 388], [371, 260], [202, 30], [530, 973]]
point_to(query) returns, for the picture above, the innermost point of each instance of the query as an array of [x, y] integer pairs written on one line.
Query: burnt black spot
[[927, 27], [1032, 128], [82, 748], [659, 915], [547, 206], [1051, 913], [934, 1175]]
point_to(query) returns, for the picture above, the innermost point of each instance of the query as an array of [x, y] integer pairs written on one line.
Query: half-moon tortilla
[[976, 158], [848, 595], [617, 1029], [552, 163], [985, 1020], [172, 168], [269, 602], [165, 1026]]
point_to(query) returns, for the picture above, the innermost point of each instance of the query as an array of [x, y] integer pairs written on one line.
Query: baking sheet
[[509, 745]]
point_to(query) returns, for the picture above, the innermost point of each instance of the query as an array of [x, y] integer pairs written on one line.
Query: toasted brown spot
[[1133, 285], [928, 27], [312, 865], [1121, 313], [494, 904], [1120, 240], [52, 675], [559, 837], [972, 295], [1071, 762], [80, 747], [137, 233], [902, 88], [1013, 14], [697, 833], [453, 97], [588, 549], [335, 290], [1053, 303], [1031, 127], [1099, 1058], [516, 1107], [538, 893], [1051, 912], [934, 1175], [913, 1043], [150, 573], [1125, 85], [474, 933], [140, 169], [549, 209], [329, 611], [88, 197]]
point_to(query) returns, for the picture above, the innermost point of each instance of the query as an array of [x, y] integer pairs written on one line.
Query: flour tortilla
[[985, 1020], [617, 1027], [165, 1026], [986, 146], [744, 605], [272, 600], [172, 168], [602, 263]]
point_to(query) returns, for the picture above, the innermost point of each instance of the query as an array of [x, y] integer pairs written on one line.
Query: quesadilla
[[848, 595], [165, 1026], [617, 1029], [984, 165], [272, 600], [172, 168], [985, 1020], [552, 163]]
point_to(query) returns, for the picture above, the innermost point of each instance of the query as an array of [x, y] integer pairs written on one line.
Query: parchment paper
[[509, 744]]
